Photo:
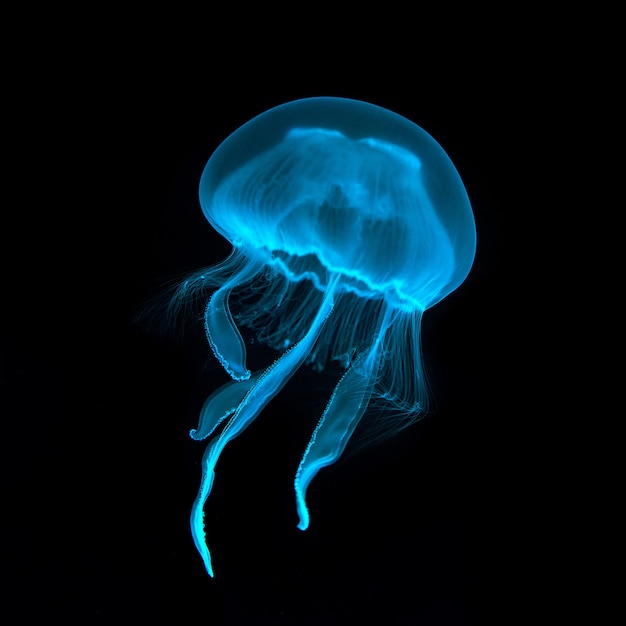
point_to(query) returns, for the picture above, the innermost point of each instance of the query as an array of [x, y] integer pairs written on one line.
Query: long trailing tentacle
[[342, 415], [263, 389]]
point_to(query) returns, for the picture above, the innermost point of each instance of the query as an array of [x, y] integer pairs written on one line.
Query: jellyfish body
[[347, 222]]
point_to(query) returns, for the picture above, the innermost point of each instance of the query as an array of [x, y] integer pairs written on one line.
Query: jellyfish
[[347, 222]]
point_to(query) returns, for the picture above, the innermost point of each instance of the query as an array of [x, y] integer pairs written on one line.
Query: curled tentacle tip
[[240, 377], [304, 519]]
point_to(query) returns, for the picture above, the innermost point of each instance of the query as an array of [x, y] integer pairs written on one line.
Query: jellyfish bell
[[347, 222], [322, 176]]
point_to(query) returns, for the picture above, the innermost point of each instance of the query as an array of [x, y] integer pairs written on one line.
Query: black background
[[97, 405]]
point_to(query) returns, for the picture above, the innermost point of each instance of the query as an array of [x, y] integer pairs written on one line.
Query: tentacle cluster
[[360, 335]]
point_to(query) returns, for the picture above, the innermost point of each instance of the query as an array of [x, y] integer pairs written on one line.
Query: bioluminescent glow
[[347, 222]]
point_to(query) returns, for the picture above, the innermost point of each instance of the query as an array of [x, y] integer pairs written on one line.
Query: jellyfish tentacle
[[342, 415], [221, 404], [197, 511], [264, 388], [221, 331]]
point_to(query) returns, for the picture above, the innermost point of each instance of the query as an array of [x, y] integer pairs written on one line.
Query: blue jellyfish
[[347, 221]]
